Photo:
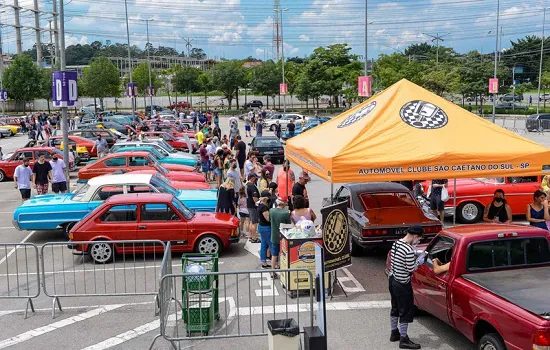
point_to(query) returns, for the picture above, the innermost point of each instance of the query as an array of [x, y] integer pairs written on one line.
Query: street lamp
[[2, 67], [64, 116], [129, 56], [496, 61], [149, 64], [541, 55], [283, 53], [482, 42]]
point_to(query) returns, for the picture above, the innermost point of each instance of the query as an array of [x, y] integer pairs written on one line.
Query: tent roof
[[408, 133]]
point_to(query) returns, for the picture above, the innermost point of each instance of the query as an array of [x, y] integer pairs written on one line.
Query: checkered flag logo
[[335, 232], [423, 115], [358, 115]]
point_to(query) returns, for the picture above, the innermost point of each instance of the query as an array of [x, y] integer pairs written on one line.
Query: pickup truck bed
[[526, 288]]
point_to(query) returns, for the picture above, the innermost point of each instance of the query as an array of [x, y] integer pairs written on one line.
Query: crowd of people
[[43, 175]]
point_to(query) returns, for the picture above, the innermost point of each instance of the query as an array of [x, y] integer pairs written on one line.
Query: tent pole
[[331, 192], [454, 202]]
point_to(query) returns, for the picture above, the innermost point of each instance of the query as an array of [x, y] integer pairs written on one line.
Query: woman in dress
[[537, 212]]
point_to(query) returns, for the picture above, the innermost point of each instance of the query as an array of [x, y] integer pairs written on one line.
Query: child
[[225, 140], [243, 211]]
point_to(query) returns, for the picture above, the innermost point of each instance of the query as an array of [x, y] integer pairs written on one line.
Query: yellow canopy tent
[[408, 133]]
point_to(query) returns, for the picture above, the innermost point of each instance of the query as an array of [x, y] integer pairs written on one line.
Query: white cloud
[[73, 40], [225, 37], [304, 37]]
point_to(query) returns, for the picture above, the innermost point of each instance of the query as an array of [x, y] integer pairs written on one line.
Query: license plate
[[400, 231], [269, 152]]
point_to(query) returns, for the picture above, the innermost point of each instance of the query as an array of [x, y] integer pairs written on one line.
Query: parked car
[[284, 120], [82, 154], [536, 122], [472, 195], [253, 104], [510, 106], [511, 98], [183, 104], [161, 157], [131, 145], [111, 125], [5, 133], [92, 134], [69, 208], [128, 161], [79, 141], [179, 185], [13, 129], [171, 129], [310, 124], [153, 107], [495, 291], [545, 97], [153, 216], [92, 108], [177, 143], [379, 213], [268, 145], [7, 167]]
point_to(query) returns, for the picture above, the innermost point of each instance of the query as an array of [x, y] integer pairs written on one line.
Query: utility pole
[[2, 70], [149, 63], [55, 31], [437, 38], [283, 55], [482, 42], [129, 56], [64, 116], [541, 55], [500, 44], [16, 9], [496, 60], [38, 34], [366, 37]]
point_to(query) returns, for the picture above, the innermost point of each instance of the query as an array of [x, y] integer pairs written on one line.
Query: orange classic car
[[472, 195]]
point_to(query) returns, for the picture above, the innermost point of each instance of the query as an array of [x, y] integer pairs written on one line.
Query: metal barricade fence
[[101, 268], [19, 272], [165, 269], [242, 310]]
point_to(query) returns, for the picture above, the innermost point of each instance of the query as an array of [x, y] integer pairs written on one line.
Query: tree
[[46, 86], [186, 79], [22, 79], [205, 85], [227, 76], [197, 53], [441, 80], [101, 79], [140, 76], [265, 80]]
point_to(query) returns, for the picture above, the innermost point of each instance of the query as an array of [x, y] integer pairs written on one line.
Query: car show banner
[[151, 91], [336, 238], [131, 90], [283, 89], [64, 89], [493, 86], [364, 87], [3, 95]]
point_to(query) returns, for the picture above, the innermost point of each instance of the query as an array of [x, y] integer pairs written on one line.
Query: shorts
[[243, 215], [241, 163], [254, 218], [218, 172], [205, 167], [402, 300], [436, 203], [247, 127], [42, 188], [59, 187], [25, 193]]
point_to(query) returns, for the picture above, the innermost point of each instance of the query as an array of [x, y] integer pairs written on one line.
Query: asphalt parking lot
[[109, 322]]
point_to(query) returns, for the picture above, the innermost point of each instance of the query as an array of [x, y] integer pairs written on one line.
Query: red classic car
[[179, 144], [379, 213], [180, 185], [129, 161], [7, 167], [184, 104], [153, 216], [80, 141], [472, 195]]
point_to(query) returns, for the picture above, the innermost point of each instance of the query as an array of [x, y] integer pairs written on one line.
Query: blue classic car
[[182, 159], [310, 124], [53, 211]]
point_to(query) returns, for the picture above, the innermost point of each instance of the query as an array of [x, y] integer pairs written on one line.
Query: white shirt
[[23, 175], [58, 172], [248, 168]]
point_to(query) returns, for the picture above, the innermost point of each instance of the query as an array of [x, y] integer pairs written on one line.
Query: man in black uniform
[[403, 264]]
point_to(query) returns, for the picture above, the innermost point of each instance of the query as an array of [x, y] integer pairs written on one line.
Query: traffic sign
[[64, 89]]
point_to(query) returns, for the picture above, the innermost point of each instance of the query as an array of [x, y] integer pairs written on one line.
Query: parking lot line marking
[[56, 325], [349, 278], [14, 248], [84, 307], [253, 248]]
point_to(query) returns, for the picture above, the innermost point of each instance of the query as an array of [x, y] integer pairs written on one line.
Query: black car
[[92, 134], [511, 97], [536, 122], [254, 104], [268, 145], [156, 108], [510, 106], [112, 125]]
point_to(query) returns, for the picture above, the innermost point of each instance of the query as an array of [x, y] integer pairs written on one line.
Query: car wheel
[[13, 133], [469, 212], [491, 341], [208, 245], [2, 176], [67, 228], [356, 249], [101, 253]]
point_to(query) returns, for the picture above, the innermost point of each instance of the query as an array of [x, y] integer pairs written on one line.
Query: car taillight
[[541, 340], [373, 232], [281, 151], [432, 229], [507, 235]]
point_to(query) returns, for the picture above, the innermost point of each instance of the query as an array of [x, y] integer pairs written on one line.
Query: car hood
[[190, 185], [183, 155], [220, 218], [48, 199], [198, 195], [397, 216]]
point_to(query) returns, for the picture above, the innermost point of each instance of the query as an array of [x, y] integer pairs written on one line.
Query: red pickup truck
[[496, 289]]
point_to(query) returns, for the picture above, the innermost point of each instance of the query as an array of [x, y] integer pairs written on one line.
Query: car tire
[[208, 244], [356, 249], [2, 176], [101, 253], [67, 228], [491, 341], [469, 212]]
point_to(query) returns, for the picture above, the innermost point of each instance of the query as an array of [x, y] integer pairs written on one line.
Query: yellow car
[[82, 154], [12, 128]]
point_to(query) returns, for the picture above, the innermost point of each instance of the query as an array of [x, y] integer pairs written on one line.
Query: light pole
[[149, 63], [496, 61], [283, 54], [2, 68], [541, 55], [64, 116], [129, 56], [366, 36], [482, 42]]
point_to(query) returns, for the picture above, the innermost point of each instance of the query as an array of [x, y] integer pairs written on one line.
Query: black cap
[[416, 230], [265, 193]]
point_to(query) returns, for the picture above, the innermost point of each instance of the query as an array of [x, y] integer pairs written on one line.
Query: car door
[[109, 166], [519, 192], [431, 289], [138, 163], [119, 222], [160, 221]]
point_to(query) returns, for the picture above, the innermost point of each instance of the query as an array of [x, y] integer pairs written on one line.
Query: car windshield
[[155, 152], [187, 213], [162, 186], [166, 146], [79, 194], [387, 200], [264, 142], [490, 180], [161, 169]]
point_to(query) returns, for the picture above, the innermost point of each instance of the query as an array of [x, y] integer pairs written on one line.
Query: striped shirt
[[403, 261]]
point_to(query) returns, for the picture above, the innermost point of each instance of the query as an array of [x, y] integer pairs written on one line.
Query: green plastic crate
[[199, 317], [199, 283]]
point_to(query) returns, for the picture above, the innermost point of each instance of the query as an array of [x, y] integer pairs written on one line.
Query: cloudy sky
[[241, 28]]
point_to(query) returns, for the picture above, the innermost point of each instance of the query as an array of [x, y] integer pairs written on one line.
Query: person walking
[[291, 127], [403, 264], [437, 205], [278, 130], [243, 212], [247, 129], [22, 178], [277, 216], [42, 174], [226, 197], [59, 182], [233, 134], [301, 210], [101, 145], [537, 212], [259, 128], [252, 196], [241, 154], [264, 227], [498, 211]]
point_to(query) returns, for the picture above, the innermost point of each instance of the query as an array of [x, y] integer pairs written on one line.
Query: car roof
[[128, 153], [35, 149], [140, 198], [266, 138], [120, 179], [376, 187], [480, 229]]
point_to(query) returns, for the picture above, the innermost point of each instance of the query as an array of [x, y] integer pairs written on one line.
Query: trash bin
[[283, 334]]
